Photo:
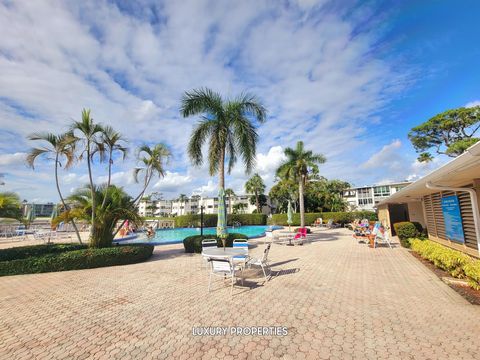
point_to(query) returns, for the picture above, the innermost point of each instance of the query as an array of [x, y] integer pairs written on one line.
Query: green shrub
[[447, 259], [210, 220], [406, 230], [472, 271], [76, 259], [22, 252], [338, 217], [193, 244]]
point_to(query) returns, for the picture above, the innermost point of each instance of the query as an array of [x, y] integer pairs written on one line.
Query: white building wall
[[367, 197]]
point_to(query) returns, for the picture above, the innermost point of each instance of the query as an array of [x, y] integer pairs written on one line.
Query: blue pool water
[[172, 236]]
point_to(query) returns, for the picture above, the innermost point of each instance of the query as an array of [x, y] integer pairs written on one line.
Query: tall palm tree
[[112, 140], [300, 163], [90, 137], [228, 126], [256, 186], [182, 198], [230, 194], [153, 161], [59, 146]]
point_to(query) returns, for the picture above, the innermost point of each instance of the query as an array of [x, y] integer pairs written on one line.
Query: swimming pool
[[174, 236]]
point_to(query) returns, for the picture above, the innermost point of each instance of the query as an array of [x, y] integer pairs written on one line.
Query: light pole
[[201, 220]]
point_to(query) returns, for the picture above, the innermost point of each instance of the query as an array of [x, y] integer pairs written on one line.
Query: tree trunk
[[63, 200], [92, 191], [302, 204], [110, 161], [101, 236], [257, 201], [221, 180]]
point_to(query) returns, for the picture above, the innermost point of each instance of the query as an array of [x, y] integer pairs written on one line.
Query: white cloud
[[172, 182], [12, 159], [387, 158], [206, 190], [473, 103]]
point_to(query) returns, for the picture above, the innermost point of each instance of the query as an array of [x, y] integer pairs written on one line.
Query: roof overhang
[[459, 172]]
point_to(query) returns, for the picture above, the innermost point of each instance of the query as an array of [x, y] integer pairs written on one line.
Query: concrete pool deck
[[337, 298]]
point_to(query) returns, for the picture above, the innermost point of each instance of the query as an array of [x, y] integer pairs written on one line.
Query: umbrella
[[222, 219], [31, 213], [289, 214], [54, 213]]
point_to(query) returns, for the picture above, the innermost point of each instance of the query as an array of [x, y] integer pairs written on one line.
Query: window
[[349, 193], [365, 193], [210, 206], [381, 191], [366, 201]]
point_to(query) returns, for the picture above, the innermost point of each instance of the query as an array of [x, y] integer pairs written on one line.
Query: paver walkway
[[338, 299]]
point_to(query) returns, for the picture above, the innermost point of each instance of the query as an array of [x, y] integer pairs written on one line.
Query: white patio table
[[222, 253]]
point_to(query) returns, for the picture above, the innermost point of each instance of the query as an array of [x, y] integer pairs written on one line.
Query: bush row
[[23, 252], [338, 217], [75, 259], [456, 263], [210, 220], [406, 230], [193, 244]]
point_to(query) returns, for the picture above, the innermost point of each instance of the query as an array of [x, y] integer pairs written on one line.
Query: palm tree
[[118, 206], [58, 146], [227, 126], [112, 140], [229, 193], [300, 163], [256, 186], [153, 161], [10, 206], [90, 135], [182, 198]]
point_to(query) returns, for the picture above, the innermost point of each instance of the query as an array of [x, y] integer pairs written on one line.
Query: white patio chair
[[262, 262], [207, 243], [241, 244], [224, 268]]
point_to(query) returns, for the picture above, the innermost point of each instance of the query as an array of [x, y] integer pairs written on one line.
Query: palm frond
[[203, 100], [33, 154]]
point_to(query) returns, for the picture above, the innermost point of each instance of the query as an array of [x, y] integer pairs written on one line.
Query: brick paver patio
[[338, 299]]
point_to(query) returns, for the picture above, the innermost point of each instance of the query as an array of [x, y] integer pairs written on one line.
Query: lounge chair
[[262, 262], [381, 237], [224, 268], [300, 236], [331, 225]]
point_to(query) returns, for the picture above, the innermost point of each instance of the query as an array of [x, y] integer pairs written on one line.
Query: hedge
[[85, 258], [406, 230], [22, 252], [456, 263], [338, 217], [210, 220], [193, 244]]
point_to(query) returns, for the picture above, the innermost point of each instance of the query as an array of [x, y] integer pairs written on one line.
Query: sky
[[349, 78]]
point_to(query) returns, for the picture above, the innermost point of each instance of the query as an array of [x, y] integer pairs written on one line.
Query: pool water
[[173, 236]]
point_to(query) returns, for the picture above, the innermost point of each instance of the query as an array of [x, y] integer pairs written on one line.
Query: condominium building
[[367, 197], [239, 204], [41, 210]]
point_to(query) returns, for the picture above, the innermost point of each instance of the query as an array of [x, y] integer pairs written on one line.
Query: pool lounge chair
[[331, 225]]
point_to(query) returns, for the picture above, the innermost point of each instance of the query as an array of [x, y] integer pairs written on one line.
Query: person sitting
[[150, 232]]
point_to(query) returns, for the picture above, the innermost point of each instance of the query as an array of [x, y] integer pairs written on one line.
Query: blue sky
[[348, 78]]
